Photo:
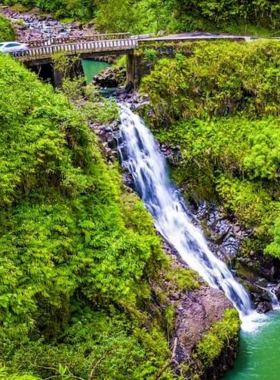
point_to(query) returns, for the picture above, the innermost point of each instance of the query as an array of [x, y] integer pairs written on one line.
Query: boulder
[[110, 78]]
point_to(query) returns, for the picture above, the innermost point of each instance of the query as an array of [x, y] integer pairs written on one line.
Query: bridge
[[41, 52], [44, 49]]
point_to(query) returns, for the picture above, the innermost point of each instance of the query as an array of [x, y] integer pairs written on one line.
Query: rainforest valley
[[88, 288]]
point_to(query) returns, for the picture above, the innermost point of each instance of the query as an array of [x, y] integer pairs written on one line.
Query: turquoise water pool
[[92, 68], [259, 355]]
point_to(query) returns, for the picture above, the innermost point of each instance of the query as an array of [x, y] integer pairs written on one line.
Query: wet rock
[[264, 307], [276, 291], [110, 78], [115, 125], [262, 282], [128, 181], [225, 236], [113, 143], [129, 87]]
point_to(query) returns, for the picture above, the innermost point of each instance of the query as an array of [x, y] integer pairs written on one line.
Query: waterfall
[[142, 158], [274, 299]]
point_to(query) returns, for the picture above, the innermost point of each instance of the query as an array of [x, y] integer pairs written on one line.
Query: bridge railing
[[67, 40], [76, 48], [143, 36]]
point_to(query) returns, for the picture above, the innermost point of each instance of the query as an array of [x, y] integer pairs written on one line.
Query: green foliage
[[115, 16], [82, 9], [274, 247], [77, 252], [121, 61], [218, 78], [144, 16], [150, 55], [258, 17], [220, 104], [182, 278], [220, 335], [170, 318], [241, 16], [73, 88], [98, 109], [217, 14], [7, 32]]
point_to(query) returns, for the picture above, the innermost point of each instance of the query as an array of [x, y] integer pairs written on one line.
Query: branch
[[170, 362]]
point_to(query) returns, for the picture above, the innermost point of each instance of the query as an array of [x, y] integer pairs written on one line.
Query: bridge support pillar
[[57, 78], [130, 68]]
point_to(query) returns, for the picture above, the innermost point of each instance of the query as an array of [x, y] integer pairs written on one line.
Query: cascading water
[[143, 159], [274, 299]]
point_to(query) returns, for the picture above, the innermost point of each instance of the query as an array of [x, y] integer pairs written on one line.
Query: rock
[[128, 181], [113, 143], [110, 78], [34, 25], [129, 87], [264, 307], [174, 296], [262, 282], [276, 291], [115, 125], [198, 311]]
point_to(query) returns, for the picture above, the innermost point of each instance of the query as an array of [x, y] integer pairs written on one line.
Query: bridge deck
[[99, 44], [199, 36]]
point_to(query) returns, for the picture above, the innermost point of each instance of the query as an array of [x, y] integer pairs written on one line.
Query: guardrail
[[67, 40], [76, 48]]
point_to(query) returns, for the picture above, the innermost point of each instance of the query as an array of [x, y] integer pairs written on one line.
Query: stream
[[92, 68]]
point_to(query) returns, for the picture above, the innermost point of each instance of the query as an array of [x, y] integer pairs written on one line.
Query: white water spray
[[143, 159]]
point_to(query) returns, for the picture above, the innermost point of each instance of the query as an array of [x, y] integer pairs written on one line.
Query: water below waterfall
[[259, 353], [143, 159]]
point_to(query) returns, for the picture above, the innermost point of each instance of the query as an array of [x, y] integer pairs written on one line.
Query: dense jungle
[[91, 287]]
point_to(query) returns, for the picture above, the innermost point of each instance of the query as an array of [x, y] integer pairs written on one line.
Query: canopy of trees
[[257, 16]]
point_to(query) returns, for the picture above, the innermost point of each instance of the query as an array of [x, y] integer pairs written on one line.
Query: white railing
[[77, 48], [66, 40]]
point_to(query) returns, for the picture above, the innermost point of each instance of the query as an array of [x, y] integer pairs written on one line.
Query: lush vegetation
[[220, 103], [79, 255], [246, 16], [6, 30], [220, 335], [242, 16]]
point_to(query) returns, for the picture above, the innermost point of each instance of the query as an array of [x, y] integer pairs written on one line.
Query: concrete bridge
[[41, 52], [40, 55]]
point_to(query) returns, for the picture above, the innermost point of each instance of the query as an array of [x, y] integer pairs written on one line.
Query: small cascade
[[274, 299], [142, 158], [272, 296]]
